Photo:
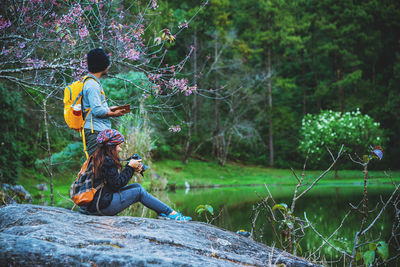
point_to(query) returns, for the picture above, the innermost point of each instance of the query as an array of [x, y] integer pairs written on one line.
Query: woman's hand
[[136, 164]]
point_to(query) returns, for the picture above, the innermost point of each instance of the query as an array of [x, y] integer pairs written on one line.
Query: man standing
[[98, 118]]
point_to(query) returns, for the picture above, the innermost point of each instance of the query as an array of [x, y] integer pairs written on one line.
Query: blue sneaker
[[177, 217]]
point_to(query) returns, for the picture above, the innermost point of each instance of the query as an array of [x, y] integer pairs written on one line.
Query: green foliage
[[331, 129], [126, 87], [204, 208], [138, 135], [281, 206], [382, 249], [12, 138], [65, 159], [369, 257], [375, 250], [290, 227]]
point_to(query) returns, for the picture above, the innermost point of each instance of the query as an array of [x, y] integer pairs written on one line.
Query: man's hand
[[116, 113]]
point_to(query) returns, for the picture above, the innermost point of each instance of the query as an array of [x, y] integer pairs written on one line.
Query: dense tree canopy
[[218, 79]]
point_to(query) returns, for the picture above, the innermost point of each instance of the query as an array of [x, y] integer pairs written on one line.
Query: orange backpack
[[82, 191]]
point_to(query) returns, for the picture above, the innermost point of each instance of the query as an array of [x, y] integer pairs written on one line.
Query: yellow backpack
[[73, 104], [73, 107]]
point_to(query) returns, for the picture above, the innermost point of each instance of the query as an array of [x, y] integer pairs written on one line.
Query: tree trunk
[[336, 172], [195, 81], [364, 218], [215, 148], [191, 111], [303, 86], [226, 150], [187, 146], [50, 170], [339, 77], [319, 105], [271, 138]]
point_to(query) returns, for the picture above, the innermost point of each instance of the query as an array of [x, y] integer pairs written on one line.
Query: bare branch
[[325, 240], [322, 175], [333, 234], [380, 213], [27, 69]]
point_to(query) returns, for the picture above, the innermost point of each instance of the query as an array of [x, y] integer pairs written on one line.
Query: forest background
[[249, 72], [215, 87]]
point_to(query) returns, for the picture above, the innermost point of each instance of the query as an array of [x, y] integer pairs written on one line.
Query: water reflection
[[324, 205]]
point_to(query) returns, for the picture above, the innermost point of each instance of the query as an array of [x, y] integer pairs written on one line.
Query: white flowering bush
[[330, 129]]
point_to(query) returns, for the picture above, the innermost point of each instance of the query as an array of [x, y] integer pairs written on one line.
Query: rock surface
[[33, 235]]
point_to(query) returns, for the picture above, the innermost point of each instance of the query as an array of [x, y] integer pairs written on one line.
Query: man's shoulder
[[91, 84]]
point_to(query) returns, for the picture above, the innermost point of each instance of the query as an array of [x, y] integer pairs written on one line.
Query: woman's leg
[[131, 194]]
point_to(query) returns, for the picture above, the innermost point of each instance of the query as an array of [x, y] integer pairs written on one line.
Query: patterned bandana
[[110, 137]]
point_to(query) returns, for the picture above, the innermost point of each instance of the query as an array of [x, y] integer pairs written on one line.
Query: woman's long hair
[[100, 154]]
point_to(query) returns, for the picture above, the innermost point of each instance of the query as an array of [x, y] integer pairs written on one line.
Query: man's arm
[[98, 108]]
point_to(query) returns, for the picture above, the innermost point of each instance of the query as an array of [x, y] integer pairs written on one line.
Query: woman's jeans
[[131, 194]]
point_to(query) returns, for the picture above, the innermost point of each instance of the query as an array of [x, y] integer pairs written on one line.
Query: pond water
[[325, 206]]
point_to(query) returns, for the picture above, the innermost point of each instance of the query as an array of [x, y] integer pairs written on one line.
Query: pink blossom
[[75, 13], [54, 2], [184, 25], [181, 84], [154, 4], [132, 54], [155, 76], [83, 32], [83, 64], [36, 63], [34, 2], [4, 23], [174, 129], [4, 52], [25, 10]]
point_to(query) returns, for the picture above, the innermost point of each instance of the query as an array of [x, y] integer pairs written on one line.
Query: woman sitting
[[116, 195]]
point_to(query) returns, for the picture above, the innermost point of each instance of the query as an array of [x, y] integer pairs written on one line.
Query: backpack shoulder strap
[[87, 77], [85, 166]]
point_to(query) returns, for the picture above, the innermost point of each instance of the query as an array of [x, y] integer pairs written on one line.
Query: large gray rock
[[33, 235]]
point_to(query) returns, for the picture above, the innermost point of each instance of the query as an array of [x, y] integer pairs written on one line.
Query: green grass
[[62, 181], [200, 174]]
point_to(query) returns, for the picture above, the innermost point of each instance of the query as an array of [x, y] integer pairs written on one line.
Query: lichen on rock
[[34, 235]]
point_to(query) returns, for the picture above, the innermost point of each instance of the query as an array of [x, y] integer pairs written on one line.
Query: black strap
[[98, 200]]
